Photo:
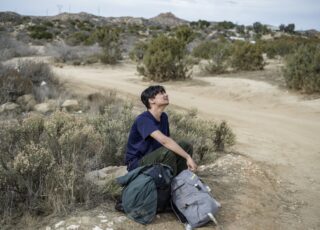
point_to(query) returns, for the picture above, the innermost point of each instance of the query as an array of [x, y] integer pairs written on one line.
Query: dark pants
[[166, 156]]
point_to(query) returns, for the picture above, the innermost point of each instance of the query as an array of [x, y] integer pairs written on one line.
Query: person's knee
[[187, 146], [169, 156]]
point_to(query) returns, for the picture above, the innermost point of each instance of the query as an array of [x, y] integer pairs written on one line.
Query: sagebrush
[[302, 69], [164, 60]]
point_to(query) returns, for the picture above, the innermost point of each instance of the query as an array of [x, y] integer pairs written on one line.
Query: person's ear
[[151, 101]]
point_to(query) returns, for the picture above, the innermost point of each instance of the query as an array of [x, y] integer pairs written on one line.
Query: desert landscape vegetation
[[246, 96]]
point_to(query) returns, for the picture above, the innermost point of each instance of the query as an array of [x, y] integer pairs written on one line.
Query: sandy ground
[[273, 126]]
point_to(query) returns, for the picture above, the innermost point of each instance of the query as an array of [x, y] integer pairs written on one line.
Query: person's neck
[[156, 112]]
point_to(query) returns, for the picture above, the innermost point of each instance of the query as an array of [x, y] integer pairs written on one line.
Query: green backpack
[[146, 191]]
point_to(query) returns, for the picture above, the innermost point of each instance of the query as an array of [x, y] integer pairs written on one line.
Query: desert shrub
[[39, 72], [28, 77], [85, 25], [184, 34], [164, 60], [134, 28], [204, 50], [114, 132], [223, 136], [96, 102], [284, 45], [35, 71], [72, 54], [201, 24], [207, 137], [224, 25], [10, 47], [281, 47], [39, 32], [78, 38], [246, 56], [302, 69], [48, 23], [137, 53], [13, 85], [43, 162], [218, 59], [108, 39]]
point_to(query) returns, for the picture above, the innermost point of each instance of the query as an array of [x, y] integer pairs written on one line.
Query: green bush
[[108, 39], [246, 56], [138, 51], [281, 47], [184, 34], [39, 32], [302, 69], [218, 59], [78, 38], [204, 50], [202, 24], [225, 25], [164, 60], [207, 137]]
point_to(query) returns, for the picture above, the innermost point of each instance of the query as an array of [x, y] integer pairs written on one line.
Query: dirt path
[[272, 126]]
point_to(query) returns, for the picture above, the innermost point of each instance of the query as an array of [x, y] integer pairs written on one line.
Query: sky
[[305, 14]]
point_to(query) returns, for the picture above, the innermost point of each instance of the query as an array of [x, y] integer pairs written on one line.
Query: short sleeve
[[146, 126]]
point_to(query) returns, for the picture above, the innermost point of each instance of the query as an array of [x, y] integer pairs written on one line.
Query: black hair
[[151, 92]]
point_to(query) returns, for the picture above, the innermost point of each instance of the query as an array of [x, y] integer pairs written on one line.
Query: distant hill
[[82, 16], [9, 16], [163, 19], [168, 19]]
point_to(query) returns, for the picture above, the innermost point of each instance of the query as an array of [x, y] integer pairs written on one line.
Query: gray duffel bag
[[192, 201]]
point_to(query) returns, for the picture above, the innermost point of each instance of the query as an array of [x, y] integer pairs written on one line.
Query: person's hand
[[191, 164]]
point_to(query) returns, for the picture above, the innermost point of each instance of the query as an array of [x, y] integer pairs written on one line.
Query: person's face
[[160, 99]]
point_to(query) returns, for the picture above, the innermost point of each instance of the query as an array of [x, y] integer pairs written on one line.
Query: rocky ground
[[248, 191]]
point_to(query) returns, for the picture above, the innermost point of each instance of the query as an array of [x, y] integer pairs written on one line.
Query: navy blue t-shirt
[[140, 142]]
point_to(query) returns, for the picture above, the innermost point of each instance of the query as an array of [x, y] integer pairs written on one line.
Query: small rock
[[48, 228], [43, 108], [73, 227], [9, 107], [57, 225], [70, 105], [104, 221], [97, 228], [102, 176], [119, 219], [110, 224]]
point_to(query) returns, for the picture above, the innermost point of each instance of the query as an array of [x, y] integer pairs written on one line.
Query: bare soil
[[273, 182]]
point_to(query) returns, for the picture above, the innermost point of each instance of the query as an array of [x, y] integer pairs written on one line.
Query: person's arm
[[170, 144]]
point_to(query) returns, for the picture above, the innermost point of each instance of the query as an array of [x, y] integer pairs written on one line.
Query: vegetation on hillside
[[302, 69]]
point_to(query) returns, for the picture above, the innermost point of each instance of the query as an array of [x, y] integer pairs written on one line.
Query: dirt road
[[272, 126]]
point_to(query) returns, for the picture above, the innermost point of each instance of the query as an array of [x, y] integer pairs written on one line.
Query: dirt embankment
[[274, 127]]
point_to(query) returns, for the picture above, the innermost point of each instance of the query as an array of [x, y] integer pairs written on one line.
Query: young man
[[149, 139]]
